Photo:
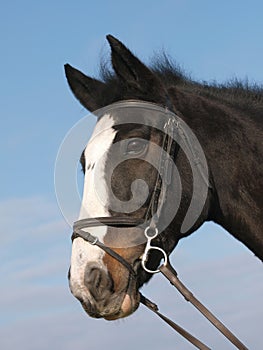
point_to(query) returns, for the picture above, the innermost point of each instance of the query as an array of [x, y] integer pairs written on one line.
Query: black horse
[[227, 121]]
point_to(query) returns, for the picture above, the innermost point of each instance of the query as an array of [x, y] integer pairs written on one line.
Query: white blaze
[[96, 152], [92, 205]]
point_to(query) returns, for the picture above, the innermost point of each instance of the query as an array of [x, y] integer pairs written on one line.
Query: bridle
[[149, 225]]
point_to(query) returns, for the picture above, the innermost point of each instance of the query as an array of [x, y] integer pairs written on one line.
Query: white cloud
[[38, 312]]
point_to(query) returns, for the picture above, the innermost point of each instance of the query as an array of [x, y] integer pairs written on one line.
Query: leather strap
[[115, 221], [193, 340], [169, 272], [170, 151]]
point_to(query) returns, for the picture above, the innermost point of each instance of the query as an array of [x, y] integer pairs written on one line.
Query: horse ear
[[131, 70], [87, 90]]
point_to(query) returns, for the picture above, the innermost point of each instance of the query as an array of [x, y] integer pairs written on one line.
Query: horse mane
[[241, 95]]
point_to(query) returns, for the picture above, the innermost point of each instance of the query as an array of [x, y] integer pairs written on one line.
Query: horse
[[134, 103]]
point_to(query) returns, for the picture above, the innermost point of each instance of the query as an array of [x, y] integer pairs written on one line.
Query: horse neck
[[231, 141]]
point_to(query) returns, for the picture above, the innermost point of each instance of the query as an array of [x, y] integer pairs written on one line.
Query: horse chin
[[128, 301], [119, 306], [129, 305]]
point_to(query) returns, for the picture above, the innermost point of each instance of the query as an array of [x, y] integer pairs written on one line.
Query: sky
[[211, 41]]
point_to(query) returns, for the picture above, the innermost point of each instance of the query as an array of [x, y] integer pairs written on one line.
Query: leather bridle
[[149, 225], [150, 222]]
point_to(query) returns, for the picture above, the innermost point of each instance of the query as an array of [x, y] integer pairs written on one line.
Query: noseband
[[102, 221], [149, 225]]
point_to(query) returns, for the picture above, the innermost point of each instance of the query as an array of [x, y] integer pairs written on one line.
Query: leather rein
[[150, 226]]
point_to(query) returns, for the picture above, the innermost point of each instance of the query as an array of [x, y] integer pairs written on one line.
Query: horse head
[[121, 163]]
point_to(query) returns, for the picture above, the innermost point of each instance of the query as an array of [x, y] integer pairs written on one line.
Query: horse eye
[[135, 146]]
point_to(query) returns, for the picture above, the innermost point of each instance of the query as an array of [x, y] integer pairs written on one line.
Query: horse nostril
[[98, 282]]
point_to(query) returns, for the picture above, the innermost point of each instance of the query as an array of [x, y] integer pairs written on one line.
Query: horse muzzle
[[99, 298]]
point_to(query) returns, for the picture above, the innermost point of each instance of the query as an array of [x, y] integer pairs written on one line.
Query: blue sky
[[211, 41]]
